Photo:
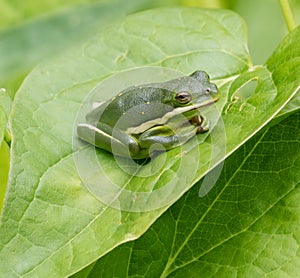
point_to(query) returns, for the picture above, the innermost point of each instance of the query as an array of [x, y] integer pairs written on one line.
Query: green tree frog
[[133, 122]]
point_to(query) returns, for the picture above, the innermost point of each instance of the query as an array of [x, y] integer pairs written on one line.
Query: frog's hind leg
[[109, 139], [166, 136]]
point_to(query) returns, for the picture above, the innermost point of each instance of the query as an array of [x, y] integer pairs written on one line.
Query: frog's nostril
[[214, 89]]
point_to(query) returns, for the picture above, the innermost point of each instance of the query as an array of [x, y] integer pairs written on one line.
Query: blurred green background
[[31, 30]]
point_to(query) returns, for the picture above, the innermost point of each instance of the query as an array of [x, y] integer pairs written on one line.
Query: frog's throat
[[160, 121]]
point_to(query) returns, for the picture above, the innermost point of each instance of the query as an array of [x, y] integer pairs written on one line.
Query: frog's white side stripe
[[97, 104], [159, 121], [97, 130]]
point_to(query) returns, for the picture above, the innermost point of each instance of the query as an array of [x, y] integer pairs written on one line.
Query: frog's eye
[[183, 97], [208, 90]]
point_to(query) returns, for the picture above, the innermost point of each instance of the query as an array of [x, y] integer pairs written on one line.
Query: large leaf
[[51, 225], [247, 226]]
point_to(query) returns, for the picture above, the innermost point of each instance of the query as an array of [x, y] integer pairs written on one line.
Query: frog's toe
[[204, 127]]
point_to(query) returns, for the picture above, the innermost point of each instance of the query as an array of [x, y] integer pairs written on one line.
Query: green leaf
[[26, 44], [4, 168], [16, 12], [51, 224], [292, 106], [247, 226], [5, 106], [287, 46]]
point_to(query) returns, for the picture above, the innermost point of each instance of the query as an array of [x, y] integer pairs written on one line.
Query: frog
[[142, 120]]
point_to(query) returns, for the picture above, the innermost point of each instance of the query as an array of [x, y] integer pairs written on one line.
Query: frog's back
[[133, 107]]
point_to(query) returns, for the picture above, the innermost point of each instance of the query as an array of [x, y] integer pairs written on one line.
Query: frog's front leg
[[111, 139], [167, 136], [201, 123]]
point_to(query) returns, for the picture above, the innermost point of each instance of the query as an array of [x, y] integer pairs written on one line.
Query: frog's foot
[[203, 128], [201, 123]]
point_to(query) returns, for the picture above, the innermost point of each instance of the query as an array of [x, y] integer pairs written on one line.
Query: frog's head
[[199, 91]]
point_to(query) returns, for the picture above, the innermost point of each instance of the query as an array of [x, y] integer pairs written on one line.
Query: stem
[[287, 13]]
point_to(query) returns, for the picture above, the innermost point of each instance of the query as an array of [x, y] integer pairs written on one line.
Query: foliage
[[247, 224]]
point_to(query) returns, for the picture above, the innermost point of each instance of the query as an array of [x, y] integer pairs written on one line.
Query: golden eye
[[183, 97]]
